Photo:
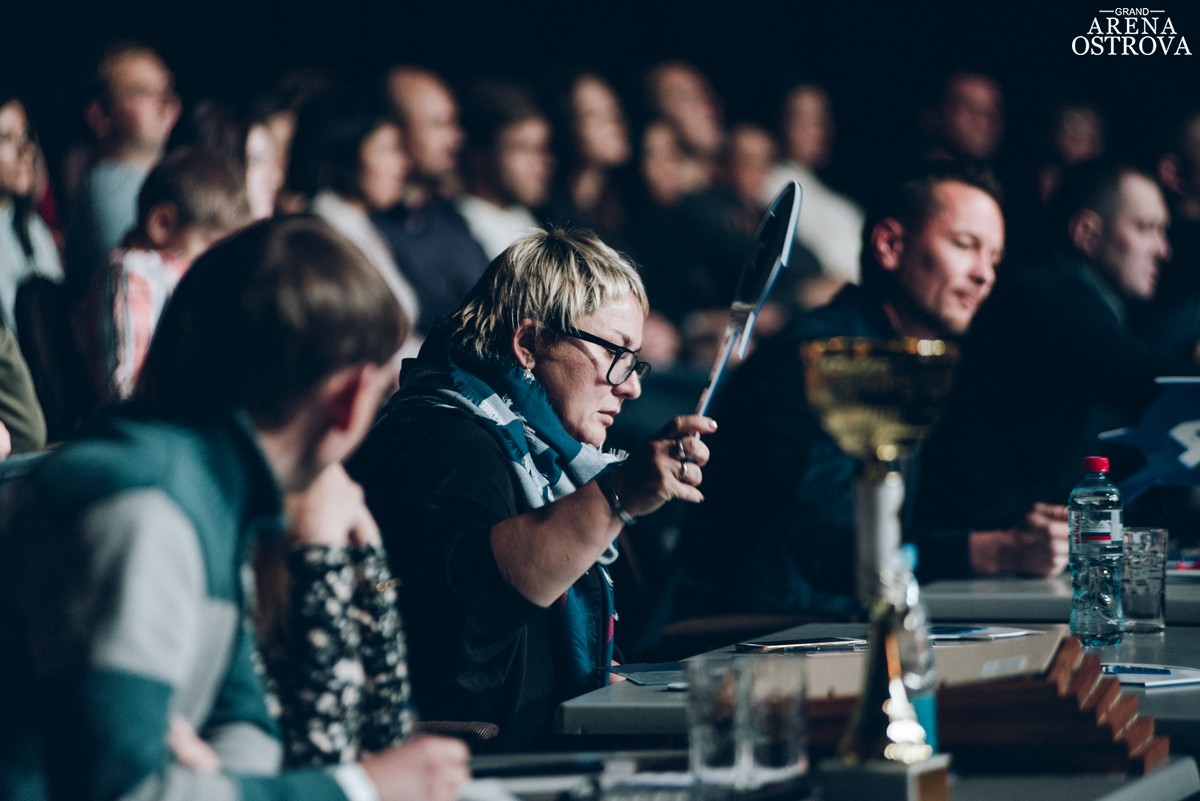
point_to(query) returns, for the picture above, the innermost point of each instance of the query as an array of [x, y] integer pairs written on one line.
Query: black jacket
[[776, 531]]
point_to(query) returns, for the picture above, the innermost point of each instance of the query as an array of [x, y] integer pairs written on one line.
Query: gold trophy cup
[[877, 399]]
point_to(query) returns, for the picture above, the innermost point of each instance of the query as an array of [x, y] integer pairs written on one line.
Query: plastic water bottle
[[1097, 556]]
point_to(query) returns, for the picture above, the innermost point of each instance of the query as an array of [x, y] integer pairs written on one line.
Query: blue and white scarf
[[548, 464]]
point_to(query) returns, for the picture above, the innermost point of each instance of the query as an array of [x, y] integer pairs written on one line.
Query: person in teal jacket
[[124, 619]]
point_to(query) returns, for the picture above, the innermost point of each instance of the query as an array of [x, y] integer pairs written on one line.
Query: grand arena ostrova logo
[[1131, 32]]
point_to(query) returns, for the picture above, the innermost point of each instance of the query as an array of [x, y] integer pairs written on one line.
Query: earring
[[529, 375]]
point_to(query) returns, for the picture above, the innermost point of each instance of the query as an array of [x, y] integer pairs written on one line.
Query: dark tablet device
[[801, 645]]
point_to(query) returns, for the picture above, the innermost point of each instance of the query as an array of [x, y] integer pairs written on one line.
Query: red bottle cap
[[1095, 464]]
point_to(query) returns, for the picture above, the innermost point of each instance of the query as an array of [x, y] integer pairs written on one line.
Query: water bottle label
[[1097, 528]]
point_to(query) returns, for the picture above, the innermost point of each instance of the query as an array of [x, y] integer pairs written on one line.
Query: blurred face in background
[[282, 125], [668, 170], [972, 116], [264, 171], [1078, 134], [1132, 242], [17, 152], [142, 106], [383, 166], [432, 135], [523, 163], [751, 154], [808, 126], [600, 127], [681, 94]]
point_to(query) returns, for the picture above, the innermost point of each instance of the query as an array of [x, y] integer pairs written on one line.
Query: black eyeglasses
[[625, 361]]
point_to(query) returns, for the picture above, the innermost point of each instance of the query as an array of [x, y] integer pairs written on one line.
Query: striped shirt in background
[[120, 313]]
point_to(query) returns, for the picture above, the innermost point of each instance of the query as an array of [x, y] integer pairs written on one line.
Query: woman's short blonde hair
[[553, 276]]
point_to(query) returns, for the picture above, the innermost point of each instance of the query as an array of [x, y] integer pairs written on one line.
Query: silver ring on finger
[[680, 453], [683, 466]]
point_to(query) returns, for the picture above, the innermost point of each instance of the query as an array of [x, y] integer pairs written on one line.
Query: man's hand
[[331, 512], [420, 769], [1037, 546], [189, 750], [5, 442]]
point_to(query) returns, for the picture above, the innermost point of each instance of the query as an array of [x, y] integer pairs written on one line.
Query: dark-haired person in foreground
[[497, 505], [124, 619], [777, 533]]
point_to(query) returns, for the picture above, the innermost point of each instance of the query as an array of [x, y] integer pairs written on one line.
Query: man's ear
[[344, 393], [98, 120], [1085, 229], [162, 223], [1170, 173], [887, 242], [524, 343], [342, 412]]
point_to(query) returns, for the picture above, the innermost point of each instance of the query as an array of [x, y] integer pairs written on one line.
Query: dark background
[[879, 61]]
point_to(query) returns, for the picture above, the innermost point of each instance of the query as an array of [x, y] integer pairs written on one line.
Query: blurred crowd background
[[877, 60]]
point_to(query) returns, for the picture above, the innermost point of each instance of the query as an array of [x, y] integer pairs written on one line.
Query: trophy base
[[870, 781]]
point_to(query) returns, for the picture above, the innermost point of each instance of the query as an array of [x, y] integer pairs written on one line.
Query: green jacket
[[123, 601], [19, 408]]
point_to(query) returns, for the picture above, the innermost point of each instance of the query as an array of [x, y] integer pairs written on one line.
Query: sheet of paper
[[651, 674], [954, 632], [1146, 675]]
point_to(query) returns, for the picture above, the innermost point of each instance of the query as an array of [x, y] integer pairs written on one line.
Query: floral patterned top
[[337, 670]]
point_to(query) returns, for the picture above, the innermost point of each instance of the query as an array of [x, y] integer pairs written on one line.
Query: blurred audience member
[[263, 158], [247, 142], [509, 163], [669, 172], [591, 144], [424, 230], [967, 119], [279, 106], [191, 199], [208, 124], [1179, 174], [277, 109], [26, 245], [670, 169], [677, 91], [830, 223], [695, 232], [748, 163], [1076, 133], [348, 160], [1172, 319], [1072, 132], [132, 111], [716, 237], [428, 112]]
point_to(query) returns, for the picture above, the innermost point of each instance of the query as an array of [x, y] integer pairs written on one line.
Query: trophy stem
[[878, 496]]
